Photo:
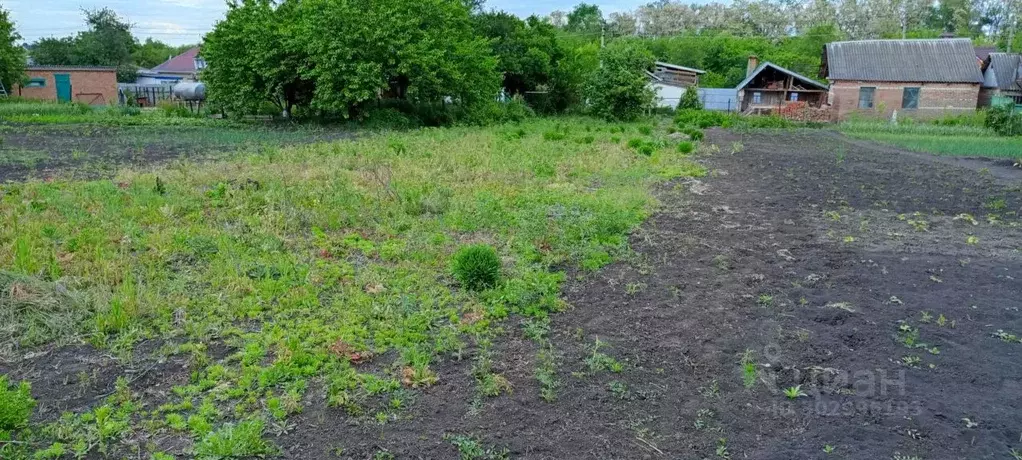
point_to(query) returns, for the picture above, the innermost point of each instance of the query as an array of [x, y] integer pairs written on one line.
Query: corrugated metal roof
[[797, 76], [938, 60], [679, 67], [182, 63], [71, 68], [1006, 68]]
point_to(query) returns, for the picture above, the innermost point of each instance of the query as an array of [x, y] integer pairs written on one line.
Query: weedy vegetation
[[416, 246]]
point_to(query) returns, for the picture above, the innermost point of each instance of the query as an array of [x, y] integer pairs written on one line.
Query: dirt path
[[800, 256]]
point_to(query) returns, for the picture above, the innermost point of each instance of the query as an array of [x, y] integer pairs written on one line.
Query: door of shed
[[63, 83]]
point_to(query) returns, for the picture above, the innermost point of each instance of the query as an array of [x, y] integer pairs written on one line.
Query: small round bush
[[647, 150], [645, 130], [476, 267], [695, 134], [635, 142], [685, 147]]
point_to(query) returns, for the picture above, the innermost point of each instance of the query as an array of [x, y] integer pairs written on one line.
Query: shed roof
[[938, 60], [679, 67], [801, 78], [71, 68], [182, 63], [1006, 69]]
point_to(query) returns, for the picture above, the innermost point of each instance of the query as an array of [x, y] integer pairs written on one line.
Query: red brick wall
[[935, 99], [96, 87]]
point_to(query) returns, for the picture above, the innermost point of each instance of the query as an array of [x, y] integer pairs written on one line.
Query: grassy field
[[308, 261], [937, 139]]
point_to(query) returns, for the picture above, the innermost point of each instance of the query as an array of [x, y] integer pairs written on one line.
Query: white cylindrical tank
[[190, 91]]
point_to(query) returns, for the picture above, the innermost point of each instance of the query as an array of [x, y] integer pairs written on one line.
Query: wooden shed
[[768, 88], [90, 85], [1002, 80]]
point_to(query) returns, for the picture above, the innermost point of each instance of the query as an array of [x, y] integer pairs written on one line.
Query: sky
[[179, 22]]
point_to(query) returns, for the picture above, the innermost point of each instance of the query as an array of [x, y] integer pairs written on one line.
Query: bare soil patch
[[889, 330]]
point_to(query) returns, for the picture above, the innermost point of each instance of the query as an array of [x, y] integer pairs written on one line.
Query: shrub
[[16, 404], [645, 130], [1003, 121], [647, 150], [619, 89], [690, 99], [694, 134], [554, 136], [242, 440], [476, 267], [172, 109], [635, 142], [685, 147]]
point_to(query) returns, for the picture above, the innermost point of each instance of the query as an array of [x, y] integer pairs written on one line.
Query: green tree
[[527, 51], [12, 55], [54, 51], [107, 42], [690, 99], [252, 58], [423, 51], [152, 53], [585, 18], [619, 89]]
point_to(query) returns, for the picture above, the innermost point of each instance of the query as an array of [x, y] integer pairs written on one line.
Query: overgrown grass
[[913, 128], [941, 139], [309, 261], [998, 147]]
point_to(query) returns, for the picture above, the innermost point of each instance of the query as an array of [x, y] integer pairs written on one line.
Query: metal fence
[[721, 99], [143, 95]]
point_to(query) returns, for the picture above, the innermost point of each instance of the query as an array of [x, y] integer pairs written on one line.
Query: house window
[[757, 97], [910, 98], [200, 63], [793, 97], [36, 83], [866, 97]]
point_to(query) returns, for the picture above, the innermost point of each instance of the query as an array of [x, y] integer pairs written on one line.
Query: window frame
[[36, 82], [904, 99], [872, 90], [757, 97], [793, 97]]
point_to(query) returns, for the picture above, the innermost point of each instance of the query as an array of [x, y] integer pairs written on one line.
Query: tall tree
[[253, 58], [527, 51], [619, 89], [12, 55], [107, 42], [54, 51], [152, 53], [585, 18]]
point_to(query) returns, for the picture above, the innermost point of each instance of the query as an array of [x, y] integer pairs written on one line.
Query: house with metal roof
[[1002, 80], [769, 88], [915, 78], [183, 67]]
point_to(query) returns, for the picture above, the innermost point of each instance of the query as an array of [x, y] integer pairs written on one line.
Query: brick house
[[915, 78], [91, 85]]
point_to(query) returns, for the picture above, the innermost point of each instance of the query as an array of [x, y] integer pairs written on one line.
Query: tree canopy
[[336, 56], [108, 41], [12, 55]]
